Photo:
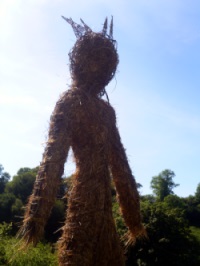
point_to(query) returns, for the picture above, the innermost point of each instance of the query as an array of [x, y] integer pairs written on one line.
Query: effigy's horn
[[87, 28], [77, 28], [105, 26], [111, 29], [80, 30]]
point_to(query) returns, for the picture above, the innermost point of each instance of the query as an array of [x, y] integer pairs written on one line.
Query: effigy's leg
[[109, 248], [89, 236]]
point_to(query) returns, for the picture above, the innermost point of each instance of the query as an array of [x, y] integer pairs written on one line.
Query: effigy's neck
[[90, 90]]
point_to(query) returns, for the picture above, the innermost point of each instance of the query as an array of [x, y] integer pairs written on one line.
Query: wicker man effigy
[[86, 123]]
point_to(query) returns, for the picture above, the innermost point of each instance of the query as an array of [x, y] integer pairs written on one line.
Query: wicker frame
[[87, 123]]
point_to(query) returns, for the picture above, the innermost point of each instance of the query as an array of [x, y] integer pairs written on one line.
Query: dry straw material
[[85, 122]]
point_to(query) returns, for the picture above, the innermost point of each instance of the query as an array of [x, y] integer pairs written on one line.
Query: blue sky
[[155, 92]]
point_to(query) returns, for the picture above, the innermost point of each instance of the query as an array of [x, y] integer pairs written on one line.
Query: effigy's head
[[93, 58]]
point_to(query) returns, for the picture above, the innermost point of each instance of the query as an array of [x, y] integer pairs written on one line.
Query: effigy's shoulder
[[66, 100], [109, 109], [63, 107]]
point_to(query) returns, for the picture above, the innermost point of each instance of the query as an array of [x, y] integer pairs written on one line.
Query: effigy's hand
[[130, 238]]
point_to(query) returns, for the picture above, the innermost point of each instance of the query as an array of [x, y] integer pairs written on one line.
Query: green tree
[[15, 194], [17, 209], [175, 202], [4, 178], [169, 239], [22, 183], [6, 202], [197, 194], [192, 210], [163, 184]]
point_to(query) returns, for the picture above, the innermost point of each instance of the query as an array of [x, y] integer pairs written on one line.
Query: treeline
[[172, 223]]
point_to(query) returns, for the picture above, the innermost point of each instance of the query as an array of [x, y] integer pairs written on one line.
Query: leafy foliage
[[15, 195], [172, 224], [197, 194], [6, 202], [163, 184], [170, 241], [4, 178], [42, 255], [22, 184], [195, 231], [192, 211]]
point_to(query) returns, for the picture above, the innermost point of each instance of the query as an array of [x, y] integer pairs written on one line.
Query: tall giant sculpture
[[86, 123]]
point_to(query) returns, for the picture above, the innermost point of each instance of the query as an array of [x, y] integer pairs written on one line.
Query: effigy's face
[[93, 62]]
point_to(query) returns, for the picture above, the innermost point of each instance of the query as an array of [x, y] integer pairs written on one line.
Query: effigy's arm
[[48, 178], [126, 187]]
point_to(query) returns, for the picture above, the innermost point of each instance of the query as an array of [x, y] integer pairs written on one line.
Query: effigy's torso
[[89, 215]]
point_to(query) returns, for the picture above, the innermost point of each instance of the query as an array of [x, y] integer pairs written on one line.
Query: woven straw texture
[[85, 122]]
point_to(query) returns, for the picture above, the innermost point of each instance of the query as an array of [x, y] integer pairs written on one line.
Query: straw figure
[[87, 123]]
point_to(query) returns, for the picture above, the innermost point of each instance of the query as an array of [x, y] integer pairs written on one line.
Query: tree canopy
[[172, 223], [22, 183], [4, 178], [163, 184], [197, 194]]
